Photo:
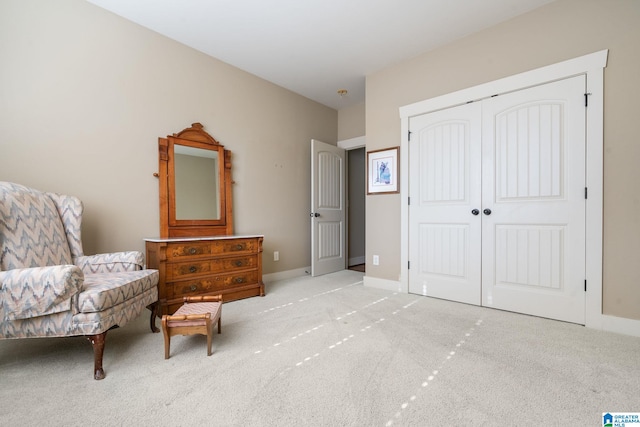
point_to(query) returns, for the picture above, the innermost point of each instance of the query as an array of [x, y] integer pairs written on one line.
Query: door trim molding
[[592, 66], [353, 143]]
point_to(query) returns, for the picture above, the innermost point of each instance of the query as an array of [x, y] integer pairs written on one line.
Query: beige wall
[[351, 122], [561, 30], [84, 96]]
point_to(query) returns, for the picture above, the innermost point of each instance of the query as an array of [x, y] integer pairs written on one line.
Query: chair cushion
[[105, 290], [66, 323], [31, 231], [196, 308]]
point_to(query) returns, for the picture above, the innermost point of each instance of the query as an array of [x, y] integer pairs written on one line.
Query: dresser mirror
[[195, 185]]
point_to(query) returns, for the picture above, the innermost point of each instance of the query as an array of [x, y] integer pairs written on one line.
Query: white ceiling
[[316, 47]]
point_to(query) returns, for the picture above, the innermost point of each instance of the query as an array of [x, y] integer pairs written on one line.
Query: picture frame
[[382, 171]]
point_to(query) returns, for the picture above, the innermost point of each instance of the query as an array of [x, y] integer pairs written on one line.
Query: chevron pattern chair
[[49, 288]]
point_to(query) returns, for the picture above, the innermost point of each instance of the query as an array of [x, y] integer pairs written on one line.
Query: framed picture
[[382, 171]]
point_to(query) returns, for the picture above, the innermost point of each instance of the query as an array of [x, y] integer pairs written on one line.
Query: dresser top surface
[[201, 238]]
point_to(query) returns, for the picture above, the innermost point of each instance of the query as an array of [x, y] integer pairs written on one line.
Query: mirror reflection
[[197, 181]]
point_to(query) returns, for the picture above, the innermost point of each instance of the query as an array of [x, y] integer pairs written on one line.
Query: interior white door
[[445, 204], [328, 210], [533, 233]]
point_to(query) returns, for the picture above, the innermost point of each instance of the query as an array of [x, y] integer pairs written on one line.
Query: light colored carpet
[[327, 351]]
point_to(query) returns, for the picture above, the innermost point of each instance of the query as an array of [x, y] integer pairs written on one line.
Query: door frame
[[592, 66], [348, 145]]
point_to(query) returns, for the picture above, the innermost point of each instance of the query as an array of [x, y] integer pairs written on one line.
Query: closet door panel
[[444, 234], [533, 183]]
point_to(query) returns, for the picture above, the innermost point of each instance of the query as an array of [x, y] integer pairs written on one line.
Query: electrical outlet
[[376, 260], [276, 255]]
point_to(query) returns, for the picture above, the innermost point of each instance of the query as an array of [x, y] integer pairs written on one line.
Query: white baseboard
[[388, 285], [619, 325], [356, 260], [283, 275]]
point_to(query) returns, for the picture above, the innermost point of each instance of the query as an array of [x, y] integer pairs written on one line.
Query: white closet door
[[533, 180], [445, 185]]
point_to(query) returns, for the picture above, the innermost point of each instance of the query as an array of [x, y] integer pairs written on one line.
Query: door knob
[[475, 211], [314, 214], [487, 211]]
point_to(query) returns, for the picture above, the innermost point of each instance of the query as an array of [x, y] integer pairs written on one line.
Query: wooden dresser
[[226, 265], [198, 252]]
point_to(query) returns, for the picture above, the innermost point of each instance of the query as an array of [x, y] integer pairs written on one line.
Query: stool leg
[[219, 324], [167, 337], [167, 344], [209, 337]]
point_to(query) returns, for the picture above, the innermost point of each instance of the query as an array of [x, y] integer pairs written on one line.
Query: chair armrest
[[38, 291], [111, 262]]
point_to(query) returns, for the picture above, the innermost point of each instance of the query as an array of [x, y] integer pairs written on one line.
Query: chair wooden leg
[[154, 313], [97, 341]]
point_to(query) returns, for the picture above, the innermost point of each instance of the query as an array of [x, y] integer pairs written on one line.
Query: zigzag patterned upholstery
[[32, 233], [49, 288], [70, 211]]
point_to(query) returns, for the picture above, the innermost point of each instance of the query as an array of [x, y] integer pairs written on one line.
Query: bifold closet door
[[497, 202], [533, 242], [444, 219]]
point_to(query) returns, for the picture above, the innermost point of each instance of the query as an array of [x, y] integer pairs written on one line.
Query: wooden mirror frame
[[196, 137]]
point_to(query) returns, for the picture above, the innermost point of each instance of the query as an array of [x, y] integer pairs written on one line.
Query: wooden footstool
[[196, 316]]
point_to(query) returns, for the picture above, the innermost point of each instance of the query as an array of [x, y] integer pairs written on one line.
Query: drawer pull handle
[[193, 269], [239, 247], [192, 251], [193, 288], [238, 263], [239, 279]]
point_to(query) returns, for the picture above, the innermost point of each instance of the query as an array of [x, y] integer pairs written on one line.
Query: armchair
[[49, 288]]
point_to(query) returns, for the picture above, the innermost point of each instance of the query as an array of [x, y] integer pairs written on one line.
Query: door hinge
[[409, 135], [409, 201], [408, 265], [585, 285], [586, 99], [585, 192]]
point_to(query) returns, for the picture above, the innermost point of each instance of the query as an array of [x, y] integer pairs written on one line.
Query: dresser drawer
[[235, 246], [210, 284], [188, 250], [177, 251], [210, 266]]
